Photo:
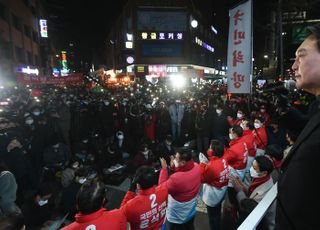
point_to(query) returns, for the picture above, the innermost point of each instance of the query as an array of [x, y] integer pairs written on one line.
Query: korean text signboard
[[240, 49]]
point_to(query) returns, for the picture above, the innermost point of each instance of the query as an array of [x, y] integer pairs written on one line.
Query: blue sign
[[161, 50]]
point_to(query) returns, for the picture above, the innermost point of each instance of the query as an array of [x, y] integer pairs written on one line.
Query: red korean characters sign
[[240, 49]]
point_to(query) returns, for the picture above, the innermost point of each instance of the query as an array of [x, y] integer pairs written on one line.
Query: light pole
[[112, 42]]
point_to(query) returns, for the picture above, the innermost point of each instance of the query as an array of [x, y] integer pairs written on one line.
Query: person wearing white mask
[[220, 125], [261, 183], [37, 211], [69, 194]]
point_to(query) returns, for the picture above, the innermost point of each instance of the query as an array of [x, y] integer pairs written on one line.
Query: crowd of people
[[61, 146]]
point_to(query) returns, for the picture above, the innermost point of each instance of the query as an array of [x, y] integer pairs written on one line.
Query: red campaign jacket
[[99, 220], [215, 173], [237, 154], [148, 209], [261, 138], [184, 184], [248, 137]]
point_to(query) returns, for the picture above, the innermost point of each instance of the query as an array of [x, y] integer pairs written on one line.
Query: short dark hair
[[45, 189], [314, 31], [275, 151], [293, 135], [81, 172], [145, 177], [169, 138], [237, 130], [91, 197], [185, 154], [264, 163], [217, 148]]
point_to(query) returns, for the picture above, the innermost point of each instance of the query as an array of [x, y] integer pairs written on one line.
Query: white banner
[[240, 49]]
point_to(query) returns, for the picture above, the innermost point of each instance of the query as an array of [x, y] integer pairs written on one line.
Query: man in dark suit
[[300, 170]]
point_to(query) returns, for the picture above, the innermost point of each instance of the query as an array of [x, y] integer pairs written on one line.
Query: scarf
[[257, 182]]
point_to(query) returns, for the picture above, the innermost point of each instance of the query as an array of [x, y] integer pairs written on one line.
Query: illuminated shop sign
[[140, 69], [64, 63], [43, 28], [204, 45], [28, 70], [172, 69], [161, 35], [158, 70]]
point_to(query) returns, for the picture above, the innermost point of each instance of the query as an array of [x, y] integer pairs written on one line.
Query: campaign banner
[[240, 49], [71, 79]]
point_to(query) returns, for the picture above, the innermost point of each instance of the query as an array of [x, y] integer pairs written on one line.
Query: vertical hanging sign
[[240, 49]]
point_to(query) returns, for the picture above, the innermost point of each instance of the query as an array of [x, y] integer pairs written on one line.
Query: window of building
[[16, 22], [35, 36], [20, 54], [29, 58], [27, 31], [33, 11], [5, 52], [36, 60], [2, 11]]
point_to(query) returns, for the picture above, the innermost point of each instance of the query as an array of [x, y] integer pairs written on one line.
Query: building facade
[[23, 44], [160, 38]]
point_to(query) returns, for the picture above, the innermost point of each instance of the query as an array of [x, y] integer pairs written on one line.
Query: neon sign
[[43, 28], [161, 35], [204, 45]]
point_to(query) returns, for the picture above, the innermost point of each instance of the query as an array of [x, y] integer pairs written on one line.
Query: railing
[[254, 218]]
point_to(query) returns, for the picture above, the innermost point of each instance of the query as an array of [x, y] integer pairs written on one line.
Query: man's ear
[[138, 186]]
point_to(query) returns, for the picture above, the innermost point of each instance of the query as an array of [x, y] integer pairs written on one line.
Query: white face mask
[[36, 113], [29, 122], [42, 202], [120, 137], [231, 136], [262, 110], [254, 173], [257, 125], [176, 163], [218, 111], [106, 103], [239, 115], [81, 181]]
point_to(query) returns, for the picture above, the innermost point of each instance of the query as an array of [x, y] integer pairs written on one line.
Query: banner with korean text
[[240, 49]]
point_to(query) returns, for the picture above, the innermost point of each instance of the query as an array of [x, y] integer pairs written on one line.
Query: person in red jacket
[[92, 215], [146, 210], [236, 155], [183, 186], [249, 139], [215, 178]]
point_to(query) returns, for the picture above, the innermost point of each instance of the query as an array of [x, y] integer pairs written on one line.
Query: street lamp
[[194, 23], [113, 42]]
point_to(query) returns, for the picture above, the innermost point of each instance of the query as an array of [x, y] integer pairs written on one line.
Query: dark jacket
[[299, 174]]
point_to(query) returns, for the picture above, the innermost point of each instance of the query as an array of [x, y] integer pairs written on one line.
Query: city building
[[162, 38], [24, 44]]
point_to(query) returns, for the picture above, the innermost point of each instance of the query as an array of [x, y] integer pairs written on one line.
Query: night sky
[[87, 23]]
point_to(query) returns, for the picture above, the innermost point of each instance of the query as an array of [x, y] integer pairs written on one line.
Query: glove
[[203, 158], [133, 185]]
